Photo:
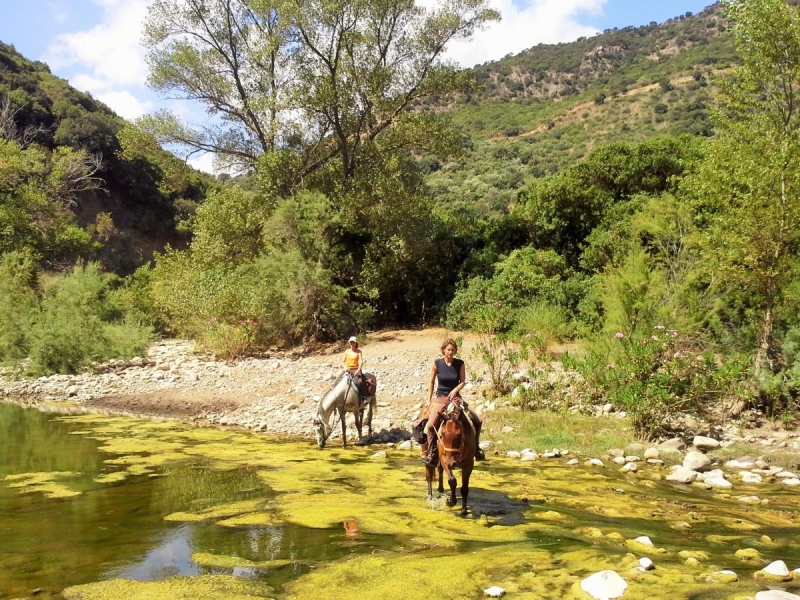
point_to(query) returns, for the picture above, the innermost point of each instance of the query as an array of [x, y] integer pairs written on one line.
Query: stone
[[682, 475], [777, 568], [646, 564], [696, 461], [705, 443], [494, 591], [651, 453], [604, 585], [776, 595], [674, 444]]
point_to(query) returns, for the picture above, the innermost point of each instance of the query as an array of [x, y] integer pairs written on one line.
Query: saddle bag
[[418, 430]]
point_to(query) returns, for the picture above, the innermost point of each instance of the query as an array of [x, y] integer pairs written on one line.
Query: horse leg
[[429, 474], [441, 480], [466, 471], [342, 415], [358, 416], [370, 408]]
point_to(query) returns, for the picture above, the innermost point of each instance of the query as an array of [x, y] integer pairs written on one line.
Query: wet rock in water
[[724, 576], [776, 595], [744, 462], [630, 468], [748, 477], [646, 564], [494, 592], [682, 475], [644, 540], [595, 462], [776, 570], [705, 443], [696, 461], [604, 585]]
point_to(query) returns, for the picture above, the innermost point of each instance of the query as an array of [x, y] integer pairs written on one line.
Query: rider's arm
[[432, 382]]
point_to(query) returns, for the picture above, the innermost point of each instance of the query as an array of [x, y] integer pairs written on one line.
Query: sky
[[94, 44]]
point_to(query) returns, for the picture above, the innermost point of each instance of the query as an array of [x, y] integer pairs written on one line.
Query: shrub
[[75, 326], [18, 305]]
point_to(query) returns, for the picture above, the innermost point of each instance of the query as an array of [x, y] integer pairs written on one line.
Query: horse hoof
[[450, 502], [362, 443]]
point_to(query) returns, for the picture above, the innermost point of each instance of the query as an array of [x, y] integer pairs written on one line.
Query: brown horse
[[456, 440]]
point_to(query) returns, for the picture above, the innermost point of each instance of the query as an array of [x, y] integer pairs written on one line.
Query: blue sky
[[95, 43]]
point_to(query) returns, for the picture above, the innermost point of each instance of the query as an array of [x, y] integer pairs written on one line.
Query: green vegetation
[[601, 193]]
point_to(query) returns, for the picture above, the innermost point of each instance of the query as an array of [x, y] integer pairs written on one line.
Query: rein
[[453, 417]]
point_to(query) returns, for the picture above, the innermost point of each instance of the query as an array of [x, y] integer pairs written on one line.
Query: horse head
[[323, 430], [451, 440]]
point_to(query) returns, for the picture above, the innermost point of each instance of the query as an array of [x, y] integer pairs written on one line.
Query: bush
[[18, 305], [75, 325], [543, 324]]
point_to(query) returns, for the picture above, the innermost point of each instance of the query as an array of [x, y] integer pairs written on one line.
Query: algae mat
[[353, 523]]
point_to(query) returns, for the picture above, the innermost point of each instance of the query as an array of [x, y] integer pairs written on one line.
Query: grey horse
[[343, 397]]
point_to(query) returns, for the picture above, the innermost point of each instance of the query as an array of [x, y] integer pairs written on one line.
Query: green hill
[[547, 107], [145, 191]]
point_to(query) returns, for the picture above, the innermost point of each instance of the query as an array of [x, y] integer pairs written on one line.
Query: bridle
[[454, 416]]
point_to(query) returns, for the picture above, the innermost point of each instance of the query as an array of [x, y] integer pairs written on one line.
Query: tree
[[748, 188], [306, 82]]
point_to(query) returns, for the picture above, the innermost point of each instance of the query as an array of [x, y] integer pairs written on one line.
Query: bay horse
[[456, 445], [344, 397]]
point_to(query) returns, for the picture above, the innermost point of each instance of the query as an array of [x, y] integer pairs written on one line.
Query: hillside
[[145, 191], [547, 107]]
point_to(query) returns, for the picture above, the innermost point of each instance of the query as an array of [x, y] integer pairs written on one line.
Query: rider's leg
[[476, 420], [430, 455]]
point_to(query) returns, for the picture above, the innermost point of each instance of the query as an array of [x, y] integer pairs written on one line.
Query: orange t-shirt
[[352, 359]]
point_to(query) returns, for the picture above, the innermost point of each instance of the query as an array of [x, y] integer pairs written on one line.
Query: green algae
[[111, 477], [217, 512], [218, 587], [216, 561], [45, 483]]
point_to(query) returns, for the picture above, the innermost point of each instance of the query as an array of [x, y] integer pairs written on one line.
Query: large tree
[[748, 187], [307, 82]]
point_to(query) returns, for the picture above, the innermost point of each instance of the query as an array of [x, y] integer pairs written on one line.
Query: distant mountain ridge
[[547, 107]]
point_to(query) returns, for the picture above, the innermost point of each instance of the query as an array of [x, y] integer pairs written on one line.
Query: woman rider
[[450, 374], [354, 360]]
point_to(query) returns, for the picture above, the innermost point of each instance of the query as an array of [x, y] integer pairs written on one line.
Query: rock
[[696, 461], [674, 444], [744, 462], [705, 443], [651, 453], [494, 592], [748, 477], [776, 595], [604, 585], [644, 540], [646, 564], [596, 462], [682, 475], [777, 568], [630, 468]]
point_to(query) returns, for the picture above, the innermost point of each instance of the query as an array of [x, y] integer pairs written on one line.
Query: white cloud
[[109, 52], [521, 27], [125, 104], [204, 163]]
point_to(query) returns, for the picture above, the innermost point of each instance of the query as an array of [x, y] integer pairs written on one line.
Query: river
[[98, 507]]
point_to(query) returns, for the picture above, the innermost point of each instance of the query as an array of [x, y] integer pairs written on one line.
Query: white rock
[[682, 475], [776, 595], [696, 461], [791, 482], [630, 468], [595, 462], [604, 585], [494, 592], [646, 564], [643, 539], [748, 477], [777, 568], [620, 460], [741, 463], [513, 454], [651, 453], [705, 443]]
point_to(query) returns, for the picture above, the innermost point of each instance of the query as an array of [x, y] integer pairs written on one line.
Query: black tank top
[[447, 377]]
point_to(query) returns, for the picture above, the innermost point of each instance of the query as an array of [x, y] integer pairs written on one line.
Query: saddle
[[365, 387], [419, 426]]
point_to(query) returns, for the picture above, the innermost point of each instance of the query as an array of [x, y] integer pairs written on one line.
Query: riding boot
[[479, 454], [429, 457]]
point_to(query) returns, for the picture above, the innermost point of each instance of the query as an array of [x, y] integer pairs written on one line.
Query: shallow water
[[106, 507]]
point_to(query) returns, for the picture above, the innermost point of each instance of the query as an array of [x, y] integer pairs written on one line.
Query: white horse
[[343, 397]]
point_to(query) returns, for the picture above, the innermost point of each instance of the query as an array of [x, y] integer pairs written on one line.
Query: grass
[[545, 430]]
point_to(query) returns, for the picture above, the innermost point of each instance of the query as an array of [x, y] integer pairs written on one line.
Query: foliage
[[653, 377], [747, 191], [499, 351], [63, 323], [306, 83]]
